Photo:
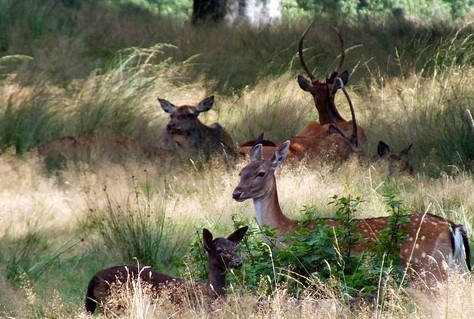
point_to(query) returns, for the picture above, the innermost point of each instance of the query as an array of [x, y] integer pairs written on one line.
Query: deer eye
[[260, 174], [219, 250]]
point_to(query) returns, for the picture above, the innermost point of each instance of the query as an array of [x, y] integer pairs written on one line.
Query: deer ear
[[259, 138], [340, 80], [207, 239], [405, 151], [237, 236], [344, 77], [167, 106], [256, 153], [280, 154], [206, 104], [382, 149], [306, 85]]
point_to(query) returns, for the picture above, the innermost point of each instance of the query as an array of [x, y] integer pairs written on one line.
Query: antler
[[354, 140], [300, 52], [343, 51], [470, 120]]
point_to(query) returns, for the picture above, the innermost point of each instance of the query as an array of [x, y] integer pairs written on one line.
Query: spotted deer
[[221, 256], [324, 92], [188, 134], [433, 243]]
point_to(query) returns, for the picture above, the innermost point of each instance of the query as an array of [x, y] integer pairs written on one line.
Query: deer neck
[[327, 109], [198, 135], [216, 284], [268, 212]]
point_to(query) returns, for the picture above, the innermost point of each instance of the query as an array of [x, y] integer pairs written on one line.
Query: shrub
[[304, 259]]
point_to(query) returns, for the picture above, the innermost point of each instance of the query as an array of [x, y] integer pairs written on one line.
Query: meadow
[[98, 70]]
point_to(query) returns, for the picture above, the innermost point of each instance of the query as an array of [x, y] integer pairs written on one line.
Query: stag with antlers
[[326, 142], [324, 92]]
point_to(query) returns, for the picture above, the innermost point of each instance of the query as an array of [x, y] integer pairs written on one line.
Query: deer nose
[[170, 126], [236, 263], [237, 194]]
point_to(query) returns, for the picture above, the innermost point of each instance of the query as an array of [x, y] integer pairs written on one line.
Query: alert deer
[[189, 135], [324, 92], [222, 255], [432, 241]]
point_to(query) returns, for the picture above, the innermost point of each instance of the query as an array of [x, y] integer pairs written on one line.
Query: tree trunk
[[204, 10], [253, 12]]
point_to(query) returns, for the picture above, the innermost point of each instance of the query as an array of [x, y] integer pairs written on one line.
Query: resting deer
[[432, 240], [324, 92], [75, 146], [329, 143], [187, 134], [222, 255], [397, 163]]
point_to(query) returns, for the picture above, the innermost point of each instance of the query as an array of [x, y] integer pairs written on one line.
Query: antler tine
[[300, 52], [343, 51]]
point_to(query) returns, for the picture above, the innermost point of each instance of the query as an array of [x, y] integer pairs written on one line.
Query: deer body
[[222, 255], [187, 134], [432, 241], [76, 145]]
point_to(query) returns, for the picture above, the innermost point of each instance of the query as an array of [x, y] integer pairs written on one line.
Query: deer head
[[184, 119], [323, 92], [397, 163]]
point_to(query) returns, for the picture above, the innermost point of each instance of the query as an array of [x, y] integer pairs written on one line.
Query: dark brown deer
[[397, 163], [222, 255], [187, 134], [324, 92], [434, 243]]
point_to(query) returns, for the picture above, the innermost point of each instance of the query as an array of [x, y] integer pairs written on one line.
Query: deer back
[[100, 285]]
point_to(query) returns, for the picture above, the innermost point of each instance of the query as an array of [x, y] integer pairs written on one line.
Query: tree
[[204, 10], [253, 12]]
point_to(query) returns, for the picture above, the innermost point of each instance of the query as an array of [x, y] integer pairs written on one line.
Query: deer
[[187, 134], [397, 163], [433, 242], [74, 145], [330, 143], [324, 92], [221, 256]]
